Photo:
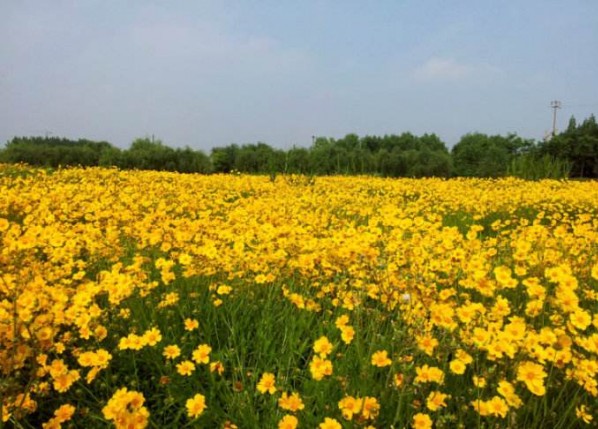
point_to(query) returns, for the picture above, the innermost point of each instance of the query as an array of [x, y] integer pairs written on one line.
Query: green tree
[[481, 155], [578, 144]]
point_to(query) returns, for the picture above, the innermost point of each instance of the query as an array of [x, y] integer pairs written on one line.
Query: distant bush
[[533, 167], [144, 154]]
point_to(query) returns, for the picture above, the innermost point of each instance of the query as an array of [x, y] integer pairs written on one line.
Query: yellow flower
[[329, 423], [152, 337], [322, 346], [498, 407], [350, 406], [64, 413], [185, 368], [507, 391], [427, 374], [320, 368], [436, 400], [347, 334], [224, 290], [291, 402], [464, 357], [267, 383], [427, 344], [580, 319], [185, 259], [370, 408], [201, 354], [86, 359], [217, 366], [457, 366], [63, 382], [288, 422], [343, 320], [422, 421], [581, 412], [380, 359], [191, 324], [398, 380], [479, 382], [126, 409], [196, 405], [172, 352], [533, 376]]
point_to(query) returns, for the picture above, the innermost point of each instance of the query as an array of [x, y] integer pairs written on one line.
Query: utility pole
[[313, 140], [555, 104]]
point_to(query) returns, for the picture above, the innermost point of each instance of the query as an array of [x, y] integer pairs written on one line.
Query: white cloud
[[442, 69], [447, 69], [210, 46]]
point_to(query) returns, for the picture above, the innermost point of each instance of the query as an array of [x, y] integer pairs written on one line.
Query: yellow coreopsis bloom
[[436, 400], [329, 423], [381, 359], [427, 344], [533, 376], [507, 391], [347, 334], [152, 337], [185, 368], [497, 407], [267, 383], [479, 382], [64, 413], [343, 320], [457, 366], [288, 422], [422, 421], [196, 405], [350, 406], [191, 324], [291, 402], [201, 354], [320, 368], [582, 413], [172, 351], [217, 367], [429, 374], [370, 408], [323, 346], [580, 319]]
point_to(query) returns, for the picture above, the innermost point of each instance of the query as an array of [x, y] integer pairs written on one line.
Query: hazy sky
[[211, 73]]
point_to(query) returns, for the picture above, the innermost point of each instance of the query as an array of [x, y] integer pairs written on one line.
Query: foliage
[[144, 154], [578, 145], [481, 155], [54, 151], [534, 167], [572, 153], [402, 155]]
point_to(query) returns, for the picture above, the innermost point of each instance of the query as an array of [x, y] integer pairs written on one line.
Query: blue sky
[[211, 73]]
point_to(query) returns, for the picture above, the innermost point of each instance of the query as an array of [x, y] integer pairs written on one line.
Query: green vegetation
[[573, 153]]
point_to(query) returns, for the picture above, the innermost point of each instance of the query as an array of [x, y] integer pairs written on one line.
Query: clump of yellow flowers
[[143, 297]]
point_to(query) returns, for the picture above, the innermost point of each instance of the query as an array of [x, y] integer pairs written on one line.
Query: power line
[[580, 105]]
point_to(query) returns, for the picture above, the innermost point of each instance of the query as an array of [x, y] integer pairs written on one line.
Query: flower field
[[146, 299]]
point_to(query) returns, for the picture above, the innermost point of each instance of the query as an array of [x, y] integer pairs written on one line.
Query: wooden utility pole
[[555, 104]]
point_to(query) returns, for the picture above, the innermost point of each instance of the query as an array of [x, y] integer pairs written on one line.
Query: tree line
[[571, 153]]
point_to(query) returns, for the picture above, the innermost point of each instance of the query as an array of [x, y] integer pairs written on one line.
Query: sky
[[210, 73]]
